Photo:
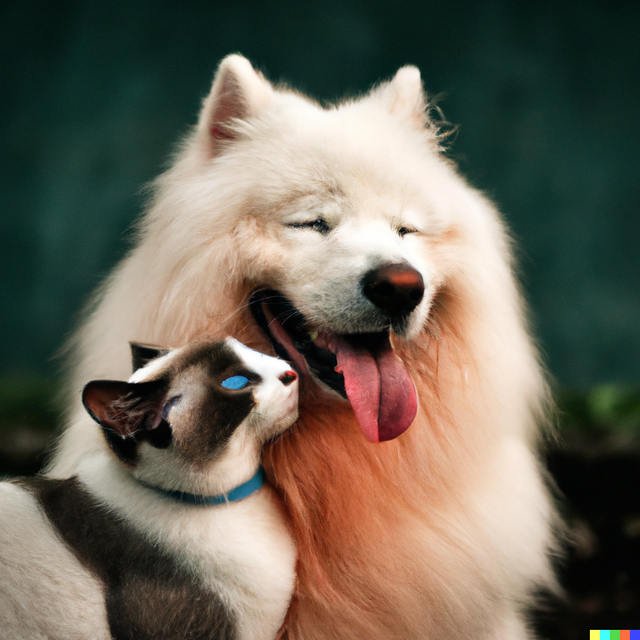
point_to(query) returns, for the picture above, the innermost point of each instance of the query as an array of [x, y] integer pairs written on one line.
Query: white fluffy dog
[[343, 240]]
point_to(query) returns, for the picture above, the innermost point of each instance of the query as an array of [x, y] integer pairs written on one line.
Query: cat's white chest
[[243, 550], [247, 551]]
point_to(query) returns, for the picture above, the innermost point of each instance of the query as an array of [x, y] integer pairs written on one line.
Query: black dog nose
[[396, 288]]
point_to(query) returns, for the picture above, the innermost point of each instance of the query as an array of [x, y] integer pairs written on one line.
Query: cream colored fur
[[444, 532]]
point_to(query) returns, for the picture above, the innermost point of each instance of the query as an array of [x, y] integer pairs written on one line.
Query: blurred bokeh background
[[547, 94], [95, 94]]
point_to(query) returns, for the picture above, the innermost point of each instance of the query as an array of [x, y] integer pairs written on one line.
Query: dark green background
[[95, 94]]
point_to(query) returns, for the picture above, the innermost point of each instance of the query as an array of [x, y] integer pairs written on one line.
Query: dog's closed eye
[[319, 225]]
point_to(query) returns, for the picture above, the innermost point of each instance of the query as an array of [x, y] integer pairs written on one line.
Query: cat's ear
[[142, 354], [239, 92], [125, 411]]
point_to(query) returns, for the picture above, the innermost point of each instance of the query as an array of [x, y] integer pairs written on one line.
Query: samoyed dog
[[341, 239]]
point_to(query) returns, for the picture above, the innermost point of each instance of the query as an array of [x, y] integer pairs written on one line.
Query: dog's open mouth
[[360, 367]]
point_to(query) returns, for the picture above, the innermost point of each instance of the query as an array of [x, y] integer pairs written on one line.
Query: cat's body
[[112, 553]]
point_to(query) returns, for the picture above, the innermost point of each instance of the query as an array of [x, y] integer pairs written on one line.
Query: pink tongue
[[380, 389]]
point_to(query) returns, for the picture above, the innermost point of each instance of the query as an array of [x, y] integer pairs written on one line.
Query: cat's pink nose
[[288, 377]]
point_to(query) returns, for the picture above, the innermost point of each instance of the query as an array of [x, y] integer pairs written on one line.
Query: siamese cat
[[168, 531]]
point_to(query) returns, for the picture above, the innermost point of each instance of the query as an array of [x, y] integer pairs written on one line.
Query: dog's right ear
[[403, 96], [238, 92], [143, 354]]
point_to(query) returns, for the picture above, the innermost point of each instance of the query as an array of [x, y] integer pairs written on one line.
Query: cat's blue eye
[[235, 382]]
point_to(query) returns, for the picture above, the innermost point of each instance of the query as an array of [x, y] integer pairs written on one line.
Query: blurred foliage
[[609, 408], [28, 401], [29, 417]]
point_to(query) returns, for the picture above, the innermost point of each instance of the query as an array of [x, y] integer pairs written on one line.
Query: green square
[[614, 635]]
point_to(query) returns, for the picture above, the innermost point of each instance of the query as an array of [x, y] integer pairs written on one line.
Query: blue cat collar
[[235, 495]]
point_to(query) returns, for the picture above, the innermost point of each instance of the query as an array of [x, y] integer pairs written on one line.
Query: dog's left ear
[[403, 96], [239, 92]]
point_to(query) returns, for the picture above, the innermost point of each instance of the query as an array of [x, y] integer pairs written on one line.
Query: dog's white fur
[[470, 533], [242, 551]]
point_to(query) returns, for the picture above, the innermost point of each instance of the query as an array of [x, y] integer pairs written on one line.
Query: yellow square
[[594, 635]]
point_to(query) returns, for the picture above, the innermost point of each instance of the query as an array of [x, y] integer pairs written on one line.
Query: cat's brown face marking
[[192, 399]]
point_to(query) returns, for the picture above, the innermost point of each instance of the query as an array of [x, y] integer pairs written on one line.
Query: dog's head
[[206, 408], [334, 222]]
